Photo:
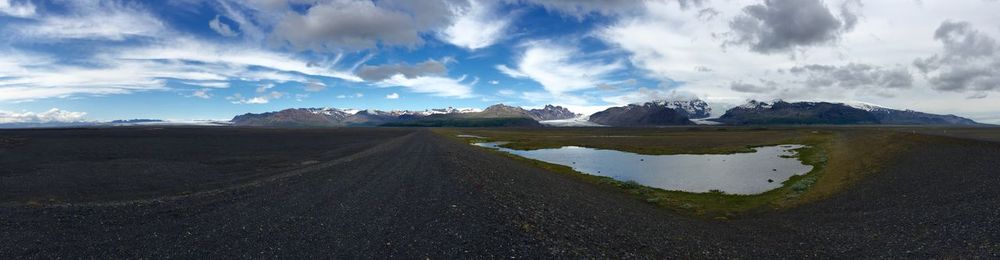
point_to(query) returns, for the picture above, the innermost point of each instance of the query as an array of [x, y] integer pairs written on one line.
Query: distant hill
[[498, 115], [294, 117], [549, 112], [781, 112], [331, 117], [499, 111], [646, 114]]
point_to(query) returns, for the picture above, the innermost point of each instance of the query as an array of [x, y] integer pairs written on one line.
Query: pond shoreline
[[762, 170]]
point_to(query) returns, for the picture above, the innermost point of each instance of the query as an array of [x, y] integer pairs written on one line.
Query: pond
[[742, 173]]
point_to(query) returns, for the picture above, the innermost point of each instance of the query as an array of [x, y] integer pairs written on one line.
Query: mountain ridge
[[837, 113], [645, 114], [332, 117]]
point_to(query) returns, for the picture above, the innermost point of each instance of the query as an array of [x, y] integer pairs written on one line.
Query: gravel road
[[402, 193]]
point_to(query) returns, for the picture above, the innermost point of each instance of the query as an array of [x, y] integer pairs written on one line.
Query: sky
[[97, 60]]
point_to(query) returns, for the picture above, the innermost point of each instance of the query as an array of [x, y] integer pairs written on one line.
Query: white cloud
[[564, 99], [494, 82], [28, 76], [208, 84], [255, 100], [17, 9], [437, 86], [263, 88], [674, 44], [234, 57], [392, 96], [245, 22], [581, 8], [315, 86], [221, 28], [239, 99], [511, 72], [356, 95], [201, 93], [352, 25], [52, 115], [41, 77], [101, 20], [648, 94], [382, 72], [475, 27], [559, 69]]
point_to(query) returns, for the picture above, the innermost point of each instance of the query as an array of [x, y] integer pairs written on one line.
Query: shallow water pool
[[742, 173]]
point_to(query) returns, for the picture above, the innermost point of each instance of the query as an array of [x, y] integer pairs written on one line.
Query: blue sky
[[213, 59]]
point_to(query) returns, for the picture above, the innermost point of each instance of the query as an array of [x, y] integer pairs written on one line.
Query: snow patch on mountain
[[693, 108], [866, 106]]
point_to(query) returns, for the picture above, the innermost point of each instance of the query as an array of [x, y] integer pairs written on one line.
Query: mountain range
[[890, 116], [498, 115], [647, 114], [798, 113], [653, 113]]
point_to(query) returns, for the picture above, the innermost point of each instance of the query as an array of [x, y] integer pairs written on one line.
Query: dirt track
[[379, 193]]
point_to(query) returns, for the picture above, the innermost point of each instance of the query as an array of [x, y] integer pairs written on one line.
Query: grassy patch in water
[[838, 157]]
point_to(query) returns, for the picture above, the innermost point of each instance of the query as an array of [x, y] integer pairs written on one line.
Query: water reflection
[[742, 173]]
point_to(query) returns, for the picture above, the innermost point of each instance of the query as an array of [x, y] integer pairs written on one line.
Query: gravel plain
[[409, 193]]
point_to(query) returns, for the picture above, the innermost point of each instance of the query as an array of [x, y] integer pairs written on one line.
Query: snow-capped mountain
[[781, 112], [449, 110], [653, 113], [550, 112], [646, 114], [891, 116], [693, 109], [327, 117]]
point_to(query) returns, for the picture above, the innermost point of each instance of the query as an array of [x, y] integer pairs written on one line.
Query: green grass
[[838, 157]]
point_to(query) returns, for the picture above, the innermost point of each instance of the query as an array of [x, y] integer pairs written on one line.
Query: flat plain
[[421, 193]]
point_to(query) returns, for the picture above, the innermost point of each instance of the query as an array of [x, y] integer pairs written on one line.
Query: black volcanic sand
[[74, 165], [408, 193]]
